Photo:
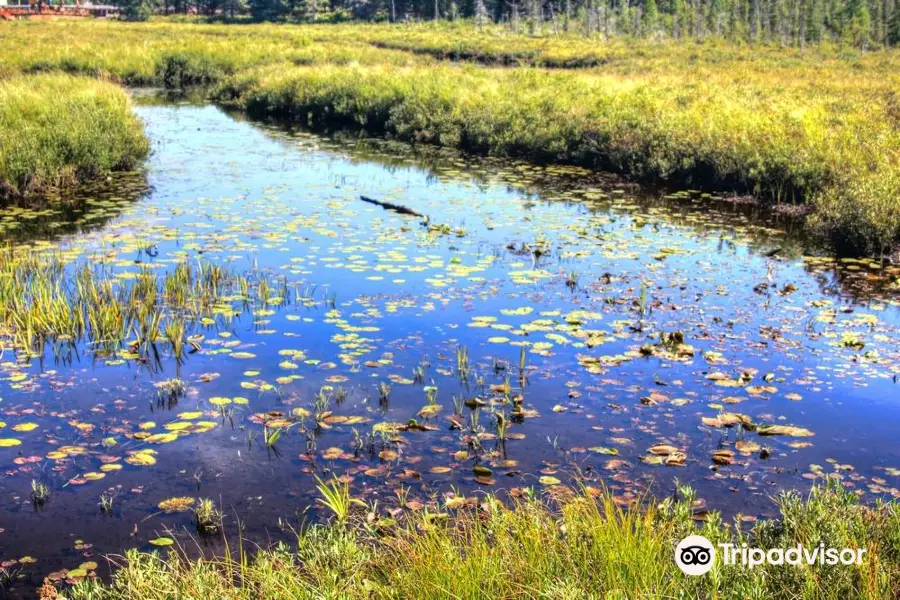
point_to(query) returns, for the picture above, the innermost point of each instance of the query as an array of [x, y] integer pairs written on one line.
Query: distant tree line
[[862, 23]]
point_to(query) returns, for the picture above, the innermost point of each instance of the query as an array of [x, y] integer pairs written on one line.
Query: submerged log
[[403, 210]]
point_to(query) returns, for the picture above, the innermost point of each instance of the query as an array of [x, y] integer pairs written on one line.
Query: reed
[[175, 335], [47, 300], [586, 545], [40, 492], [57, 131], [335, 496]]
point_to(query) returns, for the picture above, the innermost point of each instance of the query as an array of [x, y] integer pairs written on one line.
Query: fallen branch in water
[[394, 207]]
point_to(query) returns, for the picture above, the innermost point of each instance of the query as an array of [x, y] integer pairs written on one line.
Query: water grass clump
[[384, 391], [207, 517], [40, 493], [107, 500], [462, 362], [272, 435], [47, 301], [335, 496], [57, 131]]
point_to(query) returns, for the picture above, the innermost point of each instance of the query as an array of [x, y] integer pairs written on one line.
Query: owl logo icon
[[695, 555]]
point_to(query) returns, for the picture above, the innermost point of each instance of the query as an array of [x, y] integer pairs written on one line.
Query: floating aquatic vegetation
[[727, 419], [723, 456], [788, 430], [177, 504], [161, 542], [141, 458], [664, 454]]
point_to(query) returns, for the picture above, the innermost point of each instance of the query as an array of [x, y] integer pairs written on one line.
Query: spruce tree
[[857, 23], [893, 29], [136, 10], [267, 10], [650, 18]]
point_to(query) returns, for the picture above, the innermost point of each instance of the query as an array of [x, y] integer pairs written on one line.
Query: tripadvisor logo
[[695, 555]]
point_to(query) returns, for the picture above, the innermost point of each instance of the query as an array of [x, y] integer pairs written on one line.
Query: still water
[[643, 320]]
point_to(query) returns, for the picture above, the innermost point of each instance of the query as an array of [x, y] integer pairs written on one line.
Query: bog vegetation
[[57, 130], [815, 127], [863, 23], [584, 547]]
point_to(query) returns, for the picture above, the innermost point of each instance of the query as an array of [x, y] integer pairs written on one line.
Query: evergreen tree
[[861, 23], [268, 10], [717, 16], [650, 18], [893, 29], [815, 21], [136, 10], [857, 23], [233, 8]]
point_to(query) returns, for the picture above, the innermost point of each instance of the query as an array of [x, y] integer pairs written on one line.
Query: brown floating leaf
[[616, 463], [784, 430], [747, 447], [388, 454], [726, 419], [676, 459], [723, 457], [664, 454]]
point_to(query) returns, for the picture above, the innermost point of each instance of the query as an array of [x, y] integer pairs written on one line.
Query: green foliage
[[335, 496], [268, 10], [893, 29], [650, 18], [814, 126], [858, 23], [57, 130], [583, 547], [136, 10], [741, 136], [788, 22]]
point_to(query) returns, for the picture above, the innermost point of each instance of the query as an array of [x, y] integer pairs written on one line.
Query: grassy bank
[[176, 54], [582, 547], [57, 130], [721, 135], [815, 127]]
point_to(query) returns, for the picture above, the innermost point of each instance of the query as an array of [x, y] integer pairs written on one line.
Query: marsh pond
[[241, 321]]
